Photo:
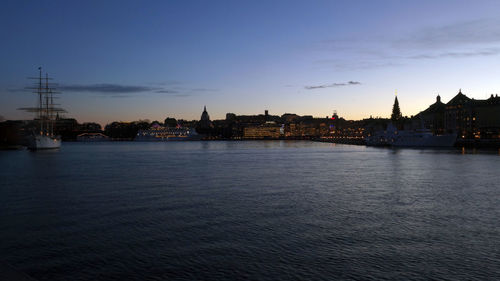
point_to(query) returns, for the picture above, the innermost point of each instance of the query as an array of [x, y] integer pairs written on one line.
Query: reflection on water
[[271, 210], [473, 150]]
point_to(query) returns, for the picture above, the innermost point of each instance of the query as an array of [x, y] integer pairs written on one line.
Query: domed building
[[205, 118], [205, 125], [433, 117]]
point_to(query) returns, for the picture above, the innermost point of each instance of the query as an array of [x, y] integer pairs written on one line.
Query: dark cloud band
[[333, 85], [126, 91], [481, 53], [107, 88]]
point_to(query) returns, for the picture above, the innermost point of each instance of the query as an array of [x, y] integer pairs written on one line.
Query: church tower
[[396, 112], [205, 118], [205, 124]]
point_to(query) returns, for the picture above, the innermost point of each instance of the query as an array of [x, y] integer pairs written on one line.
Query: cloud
[[127, 91], [458, 40], [169, 83], [166, 92], [482, 53], [120, 96], [173, 93], [107, 88], [333, 85], [183, 92], [203, 90], [477, 32], [362, 64]]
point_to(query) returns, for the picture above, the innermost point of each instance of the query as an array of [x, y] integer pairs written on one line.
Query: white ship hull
[[38, 142], [420, 138], [167, 134], [424, 140]]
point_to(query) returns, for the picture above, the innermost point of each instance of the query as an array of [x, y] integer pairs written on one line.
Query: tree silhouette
[[396, 112]]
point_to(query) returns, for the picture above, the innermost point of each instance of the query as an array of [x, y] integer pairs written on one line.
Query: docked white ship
[[422, 139], [410, 138], [159, 133], [44, 137], [44, 142]]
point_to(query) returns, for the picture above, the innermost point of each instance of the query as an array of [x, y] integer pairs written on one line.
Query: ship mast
[[45, 111], [40, 105], [48, 106]]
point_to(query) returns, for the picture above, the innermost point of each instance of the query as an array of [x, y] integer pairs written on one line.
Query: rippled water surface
[[250, 210]]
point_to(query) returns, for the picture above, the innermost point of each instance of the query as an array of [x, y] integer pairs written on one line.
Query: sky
[[130, 60]]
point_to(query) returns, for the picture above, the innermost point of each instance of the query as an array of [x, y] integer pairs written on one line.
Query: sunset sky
[[130, 60]]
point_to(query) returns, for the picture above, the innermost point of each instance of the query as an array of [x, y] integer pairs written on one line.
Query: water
[[250, 210]]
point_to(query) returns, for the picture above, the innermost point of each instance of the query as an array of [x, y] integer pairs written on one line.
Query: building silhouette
[[468, 118], [205, 126], [396, 112], [433, 117]]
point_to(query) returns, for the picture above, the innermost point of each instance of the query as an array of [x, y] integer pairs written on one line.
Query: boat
[[92, 137], [382, 138], [43, 137], [422, 139], [160, 133], [410, 138]]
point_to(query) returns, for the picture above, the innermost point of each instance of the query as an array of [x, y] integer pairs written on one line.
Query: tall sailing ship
[[45, 113]]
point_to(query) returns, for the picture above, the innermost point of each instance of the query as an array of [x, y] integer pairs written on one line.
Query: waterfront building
[[269, 130], [488, 118], [458, 115], [289, 117], [205, 126], [473, 119], [469, 118], [205, 119], [432, 118]]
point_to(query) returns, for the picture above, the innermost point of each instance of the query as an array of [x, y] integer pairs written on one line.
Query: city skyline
[[128, 61]]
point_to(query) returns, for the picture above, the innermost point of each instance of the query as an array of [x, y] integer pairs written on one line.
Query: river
[[255, 210]]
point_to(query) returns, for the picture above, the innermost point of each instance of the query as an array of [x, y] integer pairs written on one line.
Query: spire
[[205, 122], [204, 114], [396, 112]]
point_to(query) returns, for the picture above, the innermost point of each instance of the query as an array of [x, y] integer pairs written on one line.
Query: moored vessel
[[92, 137], [410, 138], [45, 113], [159, 133], [37, 142], [422, 139]]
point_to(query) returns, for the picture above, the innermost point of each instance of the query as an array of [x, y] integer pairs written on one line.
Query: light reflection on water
[[266, 210]]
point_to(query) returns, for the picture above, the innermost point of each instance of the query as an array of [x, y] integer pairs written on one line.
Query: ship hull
[[403, 138], [167, 134], [170, 138], [425, 141], [40, 142]]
